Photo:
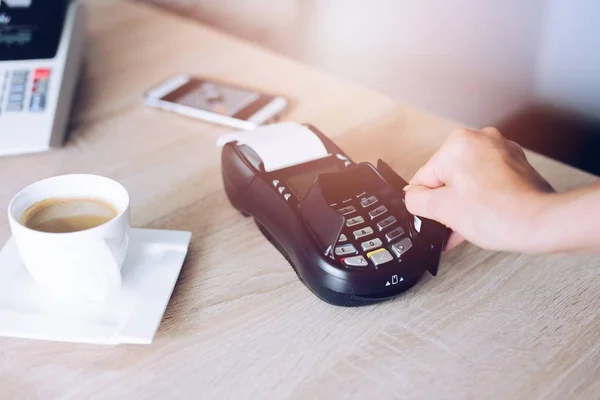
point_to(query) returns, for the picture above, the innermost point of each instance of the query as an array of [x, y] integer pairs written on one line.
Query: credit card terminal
[[342, 226], [41, 52]]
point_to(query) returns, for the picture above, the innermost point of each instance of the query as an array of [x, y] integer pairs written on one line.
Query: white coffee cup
[[76, 266]]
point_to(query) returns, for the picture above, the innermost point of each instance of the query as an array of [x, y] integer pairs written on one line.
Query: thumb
[[424, 201]]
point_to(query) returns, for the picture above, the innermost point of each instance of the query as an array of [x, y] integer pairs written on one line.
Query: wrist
[[544, 232]]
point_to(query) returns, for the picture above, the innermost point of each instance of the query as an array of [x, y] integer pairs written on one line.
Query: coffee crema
[[64, 215]]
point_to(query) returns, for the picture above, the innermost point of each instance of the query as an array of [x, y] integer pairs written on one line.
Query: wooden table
[[240, 324]]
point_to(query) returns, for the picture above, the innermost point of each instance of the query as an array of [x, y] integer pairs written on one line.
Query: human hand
[[481, 186]]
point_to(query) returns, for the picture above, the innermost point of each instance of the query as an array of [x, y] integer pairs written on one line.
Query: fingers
[[429, 203], [517, 149], [424, 201], [492, 132], [543, 184], [453, 241], [427, 175], [435, 173]]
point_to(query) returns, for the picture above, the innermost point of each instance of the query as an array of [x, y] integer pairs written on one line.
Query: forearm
[[568, 222]]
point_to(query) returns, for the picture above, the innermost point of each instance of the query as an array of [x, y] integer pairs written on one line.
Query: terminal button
[[379, 257], [361, 233], [345, 249], [401, 247], [355, 221], [356, 261], [396, 233], [377, 212], [368, 201], [371, 244], [14, 107], [37, 103], [384, 223], [347, 210]]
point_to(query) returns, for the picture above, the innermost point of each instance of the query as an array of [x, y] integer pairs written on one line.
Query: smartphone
[[216, 102]]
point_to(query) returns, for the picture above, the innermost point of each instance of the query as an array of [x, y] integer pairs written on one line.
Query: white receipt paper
[[280, 145]]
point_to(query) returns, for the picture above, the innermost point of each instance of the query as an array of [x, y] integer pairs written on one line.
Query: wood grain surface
[[240, 324]]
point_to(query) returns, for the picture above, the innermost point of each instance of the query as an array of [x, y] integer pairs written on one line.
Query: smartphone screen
[[213, 97]]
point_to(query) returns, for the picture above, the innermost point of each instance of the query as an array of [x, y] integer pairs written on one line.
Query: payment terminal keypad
[[15, 91], [39, 90], [22, 90], [372, 235], [3, 83]]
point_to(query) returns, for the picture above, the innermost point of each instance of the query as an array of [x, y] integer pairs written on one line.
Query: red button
[[42, 73]]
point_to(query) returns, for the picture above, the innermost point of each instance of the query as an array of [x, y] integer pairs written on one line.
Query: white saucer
[[132, 315]]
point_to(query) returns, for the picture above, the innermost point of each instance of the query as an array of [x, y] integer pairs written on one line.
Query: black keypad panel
[[372, 235]]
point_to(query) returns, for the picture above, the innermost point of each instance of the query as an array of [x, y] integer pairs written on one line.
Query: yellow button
[[374, 252]]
